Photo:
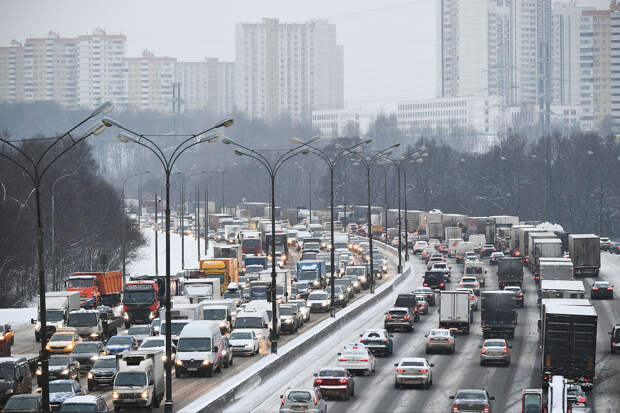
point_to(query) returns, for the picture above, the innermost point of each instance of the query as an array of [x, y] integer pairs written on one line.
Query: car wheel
[[613, 350], [90, 386], [426, 385], [232, 359], [177, 373], [453, 350], [508, 363], [426, 351], [481, 363], [396, 385], [117, 409], [12, 340]]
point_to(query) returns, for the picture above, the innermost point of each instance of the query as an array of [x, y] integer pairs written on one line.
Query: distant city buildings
[[343, 122]]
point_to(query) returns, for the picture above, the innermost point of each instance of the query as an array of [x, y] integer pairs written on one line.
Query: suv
[[615, 338], [605, 243], [16, 377], [487, 250], [474, 400], [88, 403], [378, 340], [409, 301], [399, 317]]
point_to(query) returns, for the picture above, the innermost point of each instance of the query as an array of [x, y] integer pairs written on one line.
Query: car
[[605, 243], [471, 256], [427, 253], [495, 350], [62, 342], [156, 324], [399, 318], [378, 341], [472, 400], [487, 250], [302, 400], [140, 331], [61, 367], [444, 267], [158, 343], [473, 299], [615, 338], [443, 248], [303, 309], [494, 257], [118, 344], [433, 260], [434, 242], [347, 285], [602, 290], [244, 342], [87, 352], [409, 301], [290, 318], [440, 339], [83, 404], [227, 352], [23, 403], [61, 390], [354, 282], [335, 382], [575, 395], [471, 282], [419, 246], [357, 358], [614, 247], [319, 301], [422, 304], [428, 293], [103, 371], [303, 289], [413, 370], [7, 335], [518, 294], [341, 297]]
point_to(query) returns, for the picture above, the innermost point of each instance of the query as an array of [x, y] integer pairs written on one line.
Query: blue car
[[118, 344], [61, 390]]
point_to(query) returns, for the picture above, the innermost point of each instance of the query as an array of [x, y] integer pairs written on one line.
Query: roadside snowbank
[[16, 317]]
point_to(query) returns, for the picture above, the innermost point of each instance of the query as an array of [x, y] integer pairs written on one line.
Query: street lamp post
[[53, 226], [35, 171], [272, 168], [156, 231], [367, 162], [123, 236], [167, 162], [331, 164], [416, 157]]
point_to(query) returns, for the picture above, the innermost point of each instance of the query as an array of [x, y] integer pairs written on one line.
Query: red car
[[336, 382]]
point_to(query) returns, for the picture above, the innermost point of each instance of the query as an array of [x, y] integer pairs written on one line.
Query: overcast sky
[[389, 45]]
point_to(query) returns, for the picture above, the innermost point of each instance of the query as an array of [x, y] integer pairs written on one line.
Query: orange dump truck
[[97, 288], [226, 269]]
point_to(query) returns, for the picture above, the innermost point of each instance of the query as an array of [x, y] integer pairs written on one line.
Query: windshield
[[440, 333], [251, 242], [138, 297], [53, 316], [62, 337], [130, 379], [286, 310], [317, 296], [80, 282], [412, 364], [249, 322], [279, 290], [240, 335], [331, 373], [175, 327], [22, 403], [7, 371], [153, 344], [308, 256], [307, 275], [214, 313], [139, 330], [156, 322], [470, 395], [299, 396], [494, 343], [109, 363], [194, 344], [86, 348], [232, 294], [258, 292], [78, 408], [58, 361], [253, 269], [119, 341], [356, 271], [61, 387], [82, 319], [532, 403], [301, 286]]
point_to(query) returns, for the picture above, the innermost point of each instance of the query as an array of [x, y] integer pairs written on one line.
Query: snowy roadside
[[17, 317]]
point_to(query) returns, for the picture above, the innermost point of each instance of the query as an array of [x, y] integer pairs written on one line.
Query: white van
[[217, 312], [255, 320], [199, 348]]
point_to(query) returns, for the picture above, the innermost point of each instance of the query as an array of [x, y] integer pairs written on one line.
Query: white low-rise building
[[336, 122]]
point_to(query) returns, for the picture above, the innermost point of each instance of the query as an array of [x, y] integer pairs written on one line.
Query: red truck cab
[[140, 302]]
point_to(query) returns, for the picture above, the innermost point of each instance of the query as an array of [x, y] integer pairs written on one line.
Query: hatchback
[[303, 400], [495, 350]]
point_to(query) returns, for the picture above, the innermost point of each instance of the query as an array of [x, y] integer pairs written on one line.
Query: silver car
[[440, 339], [473, 300], [413, 370], [303, 400], [495, 350], [318, 301]]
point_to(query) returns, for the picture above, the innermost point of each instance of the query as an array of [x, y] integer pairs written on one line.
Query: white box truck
[[454, 311], [461, 249], [555, 270], [198, 289], [58, 304], [453, 233], [477, 241], [140, 379]]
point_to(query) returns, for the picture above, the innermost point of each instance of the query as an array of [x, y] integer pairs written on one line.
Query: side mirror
[[392, 335], [480, 346], [215, 349], [485, 271], [509, 346], [33, 321], [432, 365], [339, 354], [316, 374], [361, 335], [425, 335], [281, 395], [491, 397], [451, 397], [395, 364]]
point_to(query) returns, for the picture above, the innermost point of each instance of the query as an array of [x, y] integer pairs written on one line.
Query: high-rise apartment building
[[150, 82], [207, 85], [12, 72], [287, 70]]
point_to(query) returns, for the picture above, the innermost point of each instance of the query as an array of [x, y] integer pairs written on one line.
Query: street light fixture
[[35, 170], [415, 158], [272, 168], [127, 135]]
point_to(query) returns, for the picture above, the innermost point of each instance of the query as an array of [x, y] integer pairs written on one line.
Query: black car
[[24, 403], [303, 289], [399, 318], [87, 352], [227, 352], [487, 250], [102, 373], [409, 301], [61, 367], [472, 400], [435, 280], [602, 290]]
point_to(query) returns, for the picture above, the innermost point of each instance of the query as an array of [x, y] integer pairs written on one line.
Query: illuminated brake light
[[385, 340], [486, 408], [389, 317], [426, 284], [505, 350], [318, 381], [343, 381], [483, 351], [581, 400], [282, 400], [399, 370], [364, 359], [472, 298], [609, 288], [423, 370], [342, 359], [441, 284], [595, 288]]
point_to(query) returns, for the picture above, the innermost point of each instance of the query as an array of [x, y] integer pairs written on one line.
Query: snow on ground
[[17, 316], [145, 262]]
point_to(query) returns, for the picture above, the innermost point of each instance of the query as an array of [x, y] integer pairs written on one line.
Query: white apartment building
[[287, 70], [12, 72], [207, 85], [150, 82], [332, 123]]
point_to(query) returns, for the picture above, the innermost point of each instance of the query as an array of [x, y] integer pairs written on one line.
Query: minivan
[[199, 348]]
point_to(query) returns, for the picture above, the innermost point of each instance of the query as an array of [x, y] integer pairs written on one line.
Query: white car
[[419, 246], [244, 342], [318, 301], [157, 343], [413, 370], [356, 358], [471, 282]]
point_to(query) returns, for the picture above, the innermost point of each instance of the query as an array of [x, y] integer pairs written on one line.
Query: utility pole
[[156, 231], [309, 197], [183, 223]]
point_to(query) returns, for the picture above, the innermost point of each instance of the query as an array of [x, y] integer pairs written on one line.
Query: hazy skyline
[[389, 46]]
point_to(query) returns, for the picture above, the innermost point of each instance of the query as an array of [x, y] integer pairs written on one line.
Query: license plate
[[192, 369]]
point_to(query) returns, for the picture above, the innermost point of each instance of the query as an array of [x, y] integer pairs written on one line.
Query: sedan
[[61, 390], [87, 352], [487, 250], [357, 358], [303, 309], [575, 395], [336, 382], [319, 301], [473, 299], [472, 400], [354, 282], [22, 403], [62, 342], [341, 296], [422, 304], [602, 290], [429, 294], [440, 339], [290, 318], [306, 400], [413, 370], [244, 342], [495, 350], [419, 246], [471, 282], [494, 257], [517, 298], [118, 344], [140, 332], [61, 367]]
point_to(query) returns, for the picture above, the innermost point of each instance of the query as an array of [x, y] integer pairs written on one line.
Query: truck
[[140, 379], [452, 233], [228, 251], [585, 251], [434, 230], [477, 241], [530, 244], [198, 289], [509, 271], [175, 284], [225, 269], [95, 325], [498, 317], [140, 302], [555, 270], [452, 244], [461, 248], [568, 343], [251, 243], [103, 287], [524, 239], [562, 289], [182, 311], [515, 239], [454, 311], [474, 268], [545, 247], [58, 306], [341, 240], [313, 272], [255, 260]]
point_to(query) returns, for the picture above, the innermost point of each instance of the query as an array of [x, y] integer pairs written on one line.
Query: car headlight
[[94, 335], [363, 279], [125, 316], [115, 395], [38, 326], [65, 372], [89, 375], [48, 347], [316, 282], [206, 363], [95, 357], [70, 347], [288, 321], [38, 372], [9, 391], [151, 315], [179, 362], [340, 296], [164, 357], [324, 304], [222, 325], [145, 394]]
